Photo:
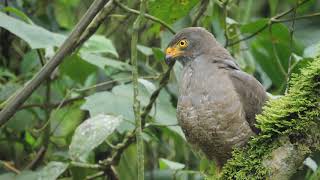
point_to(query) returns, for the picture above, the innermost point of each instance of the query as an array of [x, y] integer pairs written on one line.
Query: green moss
[[292, 115]]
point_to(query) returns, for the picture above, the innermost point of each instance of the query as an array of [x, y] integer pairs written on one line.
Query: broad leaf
[[52, 171], [99, 44], [36, 36], [103, 62], [90, 134], [167, 164], [147, 51], [76, 68]]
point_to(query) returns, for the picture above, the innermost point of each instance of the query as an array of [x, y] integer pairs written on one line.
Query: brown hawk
[[217, 101]]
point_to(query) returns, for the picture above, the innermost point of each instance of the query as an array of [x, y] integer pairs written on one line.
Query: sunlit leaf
[[99, 44], [36, 36], [103, 62], [145, 50], [52, 171], [167, 164], [90, 134]]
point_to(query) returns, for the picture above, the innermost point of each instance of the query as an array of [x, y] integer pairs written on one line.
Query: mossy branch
[[289, 132]]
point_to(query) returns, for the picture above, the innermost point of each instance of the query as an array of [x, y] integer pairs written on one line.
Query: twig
[[52, 105], [291, 48], [35, 161], [10, 167], [97, 21], [113, 81], [274, 19], [67, 47], [148, 16], [94, 176], [274, 50], [225, 24], [130, 136], [86, 165], [297, 18], [136, 103], [202, 9], [46, 136]]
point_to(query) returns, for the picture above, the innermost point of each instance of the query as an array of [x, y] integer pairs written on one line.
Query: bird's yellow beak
[[171, 53]]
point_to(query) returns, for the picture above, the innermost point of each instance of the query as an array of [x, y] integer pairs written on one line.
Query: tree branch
[[289, 132], [202, 9], [67, 47], [148, 16], [274, 19]]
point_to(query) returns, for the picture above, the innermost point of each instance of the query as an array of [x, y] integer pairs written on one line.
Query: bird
[[217, 101]]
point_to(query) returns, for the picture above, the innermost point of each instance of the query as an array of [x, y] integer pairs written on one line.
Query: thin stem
[[136, 103], [46, 136], [225, 15], [291, 47], [273, 19], [297, 18], [52, 105], [130, 136], [276, 53], [96, 175], [202, 9], [67, 47], [86, 165], [96, 22], [148, 16], [40, 154], [10, 167]]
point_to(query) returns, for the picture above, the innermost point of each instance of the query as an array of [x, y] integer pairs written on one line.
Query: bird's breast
[[210, 111]]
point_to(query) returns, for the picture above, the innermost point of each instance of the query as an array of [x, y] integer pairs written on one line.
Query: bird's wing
[[251, 93]]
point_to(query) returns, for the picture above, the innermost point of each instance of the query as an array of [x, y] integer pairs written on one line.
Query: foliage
[[80, 119]]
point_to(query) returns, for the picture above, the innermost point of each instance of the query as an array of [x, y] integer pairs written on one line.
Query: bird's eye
[[183, 43]]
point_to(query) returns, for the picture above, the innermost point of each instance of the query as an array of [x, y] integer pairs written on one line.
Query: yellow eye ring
[[183, 43]]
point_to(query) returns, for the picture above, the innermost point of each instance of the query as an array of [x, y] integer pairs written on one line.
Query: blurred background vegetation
[[97, 80]]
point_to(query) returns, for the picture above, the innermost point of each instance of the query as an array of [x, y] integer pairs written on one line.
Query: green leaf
[[18, 13], [52, 171], [167, 164], [90, 134], [64, 121], [170, 10], [36, 36], [76, 68], [27, 175], [252, 27], [273, 6], [29, 62], [65, 12], [158, 54], [102, 62], [99, 44], [7, 90], [264, 54], [21, 121], [145, 50]]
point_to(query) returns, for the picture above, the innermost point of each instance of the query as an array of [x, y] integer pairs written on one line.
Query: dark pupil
[[181, 43]]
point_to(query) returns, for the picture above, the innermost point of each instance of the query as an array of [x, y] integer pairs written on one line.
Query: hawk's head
[[190, 43]]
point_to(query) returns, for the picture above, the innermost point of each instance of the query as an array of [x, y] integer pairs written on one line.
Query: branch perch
[[67, 48], [289, 132]]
